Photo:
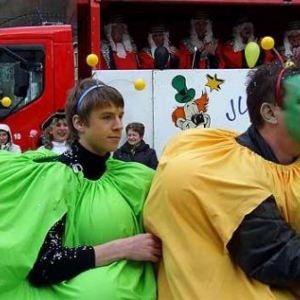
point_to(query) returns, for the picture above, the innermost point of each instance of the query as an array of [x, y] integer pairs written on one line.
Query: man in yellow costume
[[227, 206]]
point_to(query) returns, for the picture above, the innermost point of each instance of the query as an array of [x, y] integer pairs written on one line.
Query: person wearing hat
[[6, 140], [152, 56], [56, 136], [234, 49], [291, 43], [201, 50], [118, 50]]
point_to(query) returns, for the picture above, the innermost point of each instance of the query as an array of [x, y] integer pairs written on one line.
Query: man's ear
[[78, 123], [267, 113]]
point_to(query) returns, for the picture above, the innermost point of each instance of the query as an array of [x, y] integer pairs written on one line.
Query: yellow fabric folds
[[204, 186]]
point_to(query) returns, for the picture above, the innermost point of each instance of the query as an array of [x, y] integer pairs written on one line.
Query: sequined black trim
[[56, 262]]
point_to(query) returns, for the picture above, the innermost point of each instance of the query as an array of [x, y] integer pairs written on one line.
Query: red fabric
[[185, 58], [127, 63], [235, 60], [146, 60]]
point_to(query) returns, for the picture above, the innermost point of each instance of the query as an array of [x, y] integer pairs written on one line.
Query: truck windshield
[[31, 58]]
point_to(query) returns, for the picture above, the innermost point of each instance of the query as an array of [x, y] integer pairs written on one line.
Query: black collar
[[253, 140], [80, 159]]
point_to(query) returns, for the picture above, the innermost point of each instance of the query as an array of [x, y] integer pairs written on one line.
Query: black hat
[[116, 19], [200, 15], [157, 28], [60, 114], [293, 25], [242, 20]]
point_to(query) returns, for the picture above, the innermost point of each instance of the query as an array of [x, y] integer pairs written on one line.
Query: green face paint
[[291, 112]]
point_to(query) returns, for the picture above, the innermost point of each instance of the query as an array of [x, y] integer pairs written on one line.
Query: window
[[30, 59]]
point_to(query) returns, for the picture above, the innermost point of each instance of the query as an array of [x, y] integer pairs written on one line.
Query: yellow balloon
[[6, 102], [267, 43], [252, 52], [92, 60], [139, 84]]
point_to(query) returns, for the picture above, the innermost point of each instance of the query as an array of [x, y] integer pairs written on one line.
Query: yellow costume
[[204, 186]]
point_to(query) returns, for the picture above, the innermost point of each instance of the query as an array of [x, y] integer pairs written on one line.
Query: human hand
[[173, 50], [209, 48], [142, 247]]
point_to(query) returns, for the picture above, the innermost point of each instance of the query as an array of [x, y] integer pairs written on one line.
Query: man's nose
[[118, 124]]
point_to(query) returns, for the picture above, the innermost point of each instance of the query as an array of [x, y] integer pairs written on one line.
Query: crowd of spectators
[[200, 49]]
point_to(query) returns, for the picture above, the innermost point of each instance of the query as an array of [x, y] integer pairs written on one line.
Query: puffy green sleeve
[[33, 197]]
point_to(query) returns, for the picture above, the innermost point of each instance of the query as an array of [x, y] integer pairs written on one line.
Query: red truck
[[38, 65]]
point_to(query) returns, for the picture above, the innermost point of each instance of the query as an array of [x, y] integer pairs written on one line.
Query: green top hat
[[184, 94]]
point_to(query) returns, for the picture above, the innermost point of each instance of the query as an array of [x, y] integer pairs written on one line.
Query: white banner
[[175, 100]]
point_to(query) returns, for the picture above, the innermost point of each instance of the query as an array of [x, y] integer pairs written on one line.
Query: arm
[[219, 52], [215, 58], [232, 60], [141, 247], [266, 247], [174, 58], [146, 61], [184, 58], [57, 263]]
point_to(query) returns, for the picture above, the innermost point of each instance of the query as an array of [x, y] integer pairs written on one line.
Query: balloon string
[[279, 56], [121, 79]]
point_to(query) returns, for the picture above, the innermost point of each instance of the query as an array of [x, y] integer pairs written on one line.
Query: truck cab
[[36, 71]]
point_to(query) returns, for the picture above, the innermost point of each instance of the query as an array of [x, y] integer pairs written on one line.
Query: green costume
[[292, 106], [35, 195]]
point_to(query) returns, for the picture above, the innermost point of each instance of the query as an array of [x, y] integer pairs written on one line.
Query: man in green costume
[[71, 225]]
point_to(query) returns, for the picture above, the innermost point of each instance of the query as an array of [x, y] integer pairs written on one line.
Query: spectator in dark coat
[[135, 149]]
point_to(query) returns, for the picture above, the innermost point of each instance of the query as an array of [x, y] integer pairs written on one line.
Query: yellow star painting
[[213, 82]]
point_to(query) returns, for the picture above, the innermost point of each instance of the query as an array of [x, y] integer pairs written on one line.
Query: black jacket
[[142, 154], [265, 246]]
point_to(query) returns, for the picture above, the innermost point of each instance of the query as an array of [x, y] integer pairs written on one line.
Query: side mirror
[[21, 76]]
